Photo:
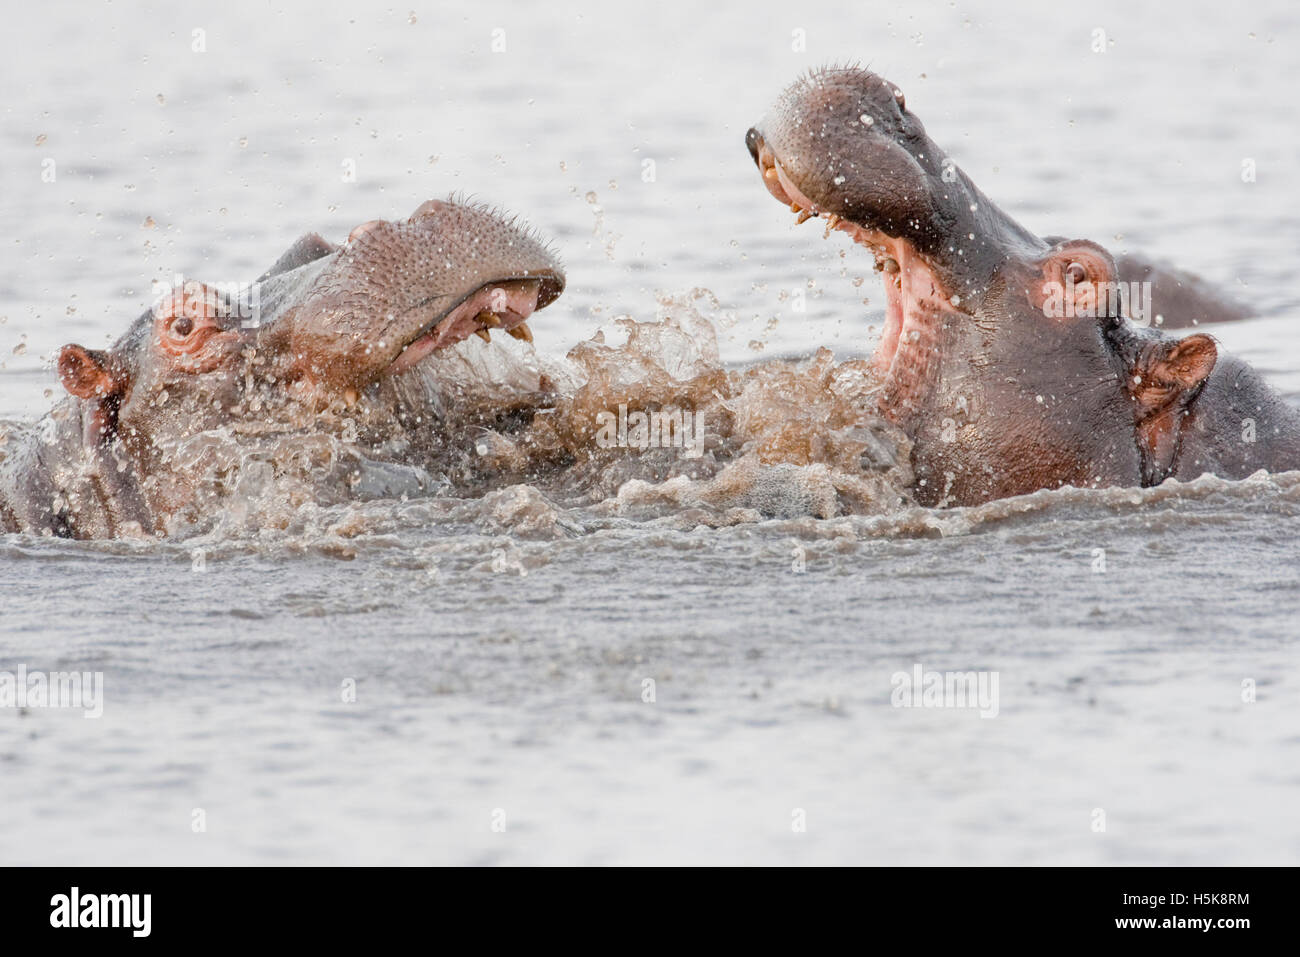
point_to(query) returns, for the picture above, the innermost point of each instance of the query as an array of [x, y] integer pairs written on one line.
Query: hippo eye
[[182, 327], [1075, 273]]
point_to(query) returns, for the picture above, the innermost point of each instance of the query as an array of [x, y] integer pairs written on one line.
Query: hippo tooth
[[803, 217], [770, 174], [521, 331], [795, 208], [831, 222], [483, 334], [489, 319], [350, 396], [890, 265]]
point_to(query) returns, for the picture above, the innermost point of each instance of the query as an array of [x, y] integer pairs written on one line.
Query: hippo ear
[[307, 249], [85, 372], [1167, 376], [89, 374], [1168, 372]]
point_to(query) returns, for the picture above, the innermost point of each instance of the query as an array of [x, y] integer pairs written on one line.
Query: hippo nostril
[[364, 228], [431, 207], [753, 141]]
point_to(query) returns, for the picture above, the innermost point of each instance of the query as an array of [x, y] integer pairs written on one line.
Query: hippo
[[327, 331], [1008, 359]]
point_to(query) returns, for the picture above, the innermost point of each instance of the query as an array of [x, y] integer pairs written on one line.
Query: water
[[499, 647]]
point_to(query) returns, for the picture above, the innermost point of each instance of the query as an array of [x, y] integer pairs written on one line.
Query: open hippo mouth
[[397, 292], [916, 294], [504, 306], [841, 145]]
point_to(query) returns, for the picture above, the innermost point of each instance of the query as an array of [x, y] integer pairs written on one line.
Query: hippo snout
[[400, 290]]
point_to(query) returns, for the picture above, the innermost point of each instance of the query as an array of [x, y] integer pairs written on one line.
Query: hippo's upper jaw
[[916, 293], [841, 145], [398, 291]]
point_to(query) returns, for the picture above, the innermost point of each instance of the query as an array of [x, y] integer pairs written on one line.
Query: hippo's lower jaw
[[916, 298], [505, 306]]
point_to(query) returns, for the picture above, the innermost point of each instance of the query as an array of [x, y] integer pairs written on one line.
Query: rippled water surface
[[500, 647]]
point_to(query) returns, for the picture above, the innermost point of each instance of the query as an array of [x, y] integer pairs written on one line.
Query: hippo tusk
[[521, 331], [483, 334]]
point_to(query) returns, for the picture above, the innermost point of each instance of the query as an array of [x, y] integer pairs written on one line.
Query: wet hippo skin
[[1008, 358], [324, 328]]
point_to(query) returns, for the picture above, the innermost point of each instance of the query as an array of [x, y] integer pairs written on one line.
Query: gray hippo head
[[324, 328], [1005, 357]]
